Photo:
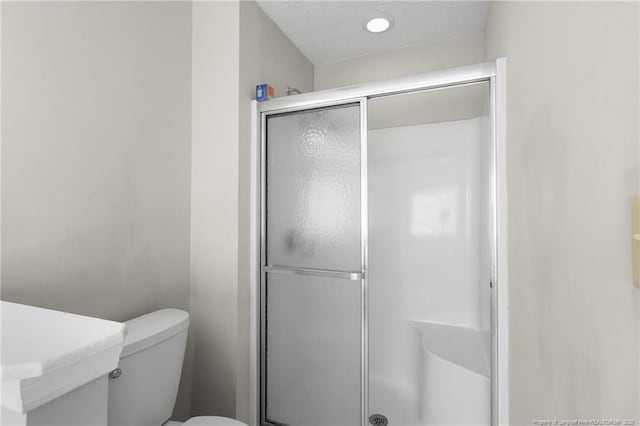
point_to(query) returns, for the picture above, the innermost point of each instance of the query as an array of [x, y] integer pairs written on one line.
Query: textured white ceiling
[[330, 30]]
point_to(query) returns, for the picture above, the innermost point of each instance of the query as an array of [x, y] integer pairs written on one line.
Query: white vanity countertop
[[47, 353]]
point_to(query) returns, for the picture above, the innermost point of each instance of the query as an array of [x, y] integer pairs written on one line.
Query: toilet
[[143, 389]]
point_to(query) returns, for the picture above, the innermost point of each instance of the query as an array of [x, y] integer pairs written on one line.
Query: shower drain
[[378, 420]]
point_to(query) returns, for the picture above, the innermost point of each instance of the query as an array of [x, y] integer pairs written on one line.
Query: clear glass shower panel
[[429, 273], [312, 351], [313, 189]]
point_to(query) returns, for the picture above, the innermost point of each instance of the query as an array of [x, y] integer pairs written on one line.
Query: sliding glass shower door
[[378, 250], [312, 257]]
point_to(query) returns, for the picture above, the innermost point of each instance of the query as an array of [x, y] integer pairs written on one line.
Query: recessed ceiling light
[[378, 25]]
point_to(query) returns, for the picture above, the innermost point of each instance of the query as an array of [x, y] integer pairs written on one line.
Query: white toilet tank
[[150, 366]]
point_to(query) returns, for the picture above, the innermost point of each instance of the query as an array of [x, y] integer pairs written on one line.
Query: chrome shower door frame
[[495, 74]]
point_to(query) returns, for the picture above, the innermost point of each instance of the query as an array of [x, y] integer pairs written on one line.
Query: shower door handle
[[347, 275]]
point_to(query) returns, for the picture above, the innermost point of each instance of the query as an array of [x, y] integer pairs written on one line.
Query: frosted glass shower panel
[[313, 189], [312, 372], [430, 257]]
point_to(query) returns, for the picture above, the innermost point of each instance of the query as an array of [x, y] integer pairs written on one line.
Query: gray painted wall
[[573, 164], [214, 207], [96, 129], [438, 55], [121, 168]]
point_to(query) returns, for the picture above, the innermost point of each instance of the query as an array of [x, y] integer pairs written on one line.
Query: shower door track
[[495, 74]]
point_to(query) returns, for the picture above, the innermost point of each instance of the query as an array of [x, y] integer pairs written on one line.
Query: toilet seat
[[212, 421]]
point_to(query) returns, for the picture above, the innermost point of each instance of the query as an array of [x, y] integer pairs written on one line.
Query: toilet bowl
[[143, 389]]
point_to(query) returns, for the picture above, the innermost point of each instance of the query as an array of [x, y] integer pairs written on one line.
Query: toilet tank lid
[[153, 328]]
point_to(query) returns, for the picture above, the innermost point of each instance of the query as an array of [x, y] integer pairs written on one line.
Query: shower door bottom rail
[[347, 275]]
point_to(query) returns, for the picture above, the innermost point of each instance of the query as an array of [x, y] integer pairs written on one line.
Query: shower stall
[[380, 254]]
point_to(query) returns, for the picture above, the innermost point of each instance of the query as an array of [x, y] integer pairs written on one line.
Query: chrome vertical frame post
[[501, 297], [262, 305], [364, 241], [494, 251], [499, 256]]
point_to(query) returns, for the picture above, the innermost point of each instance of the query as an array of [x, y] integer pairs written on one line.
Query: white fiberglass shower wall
[[377, 254]]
